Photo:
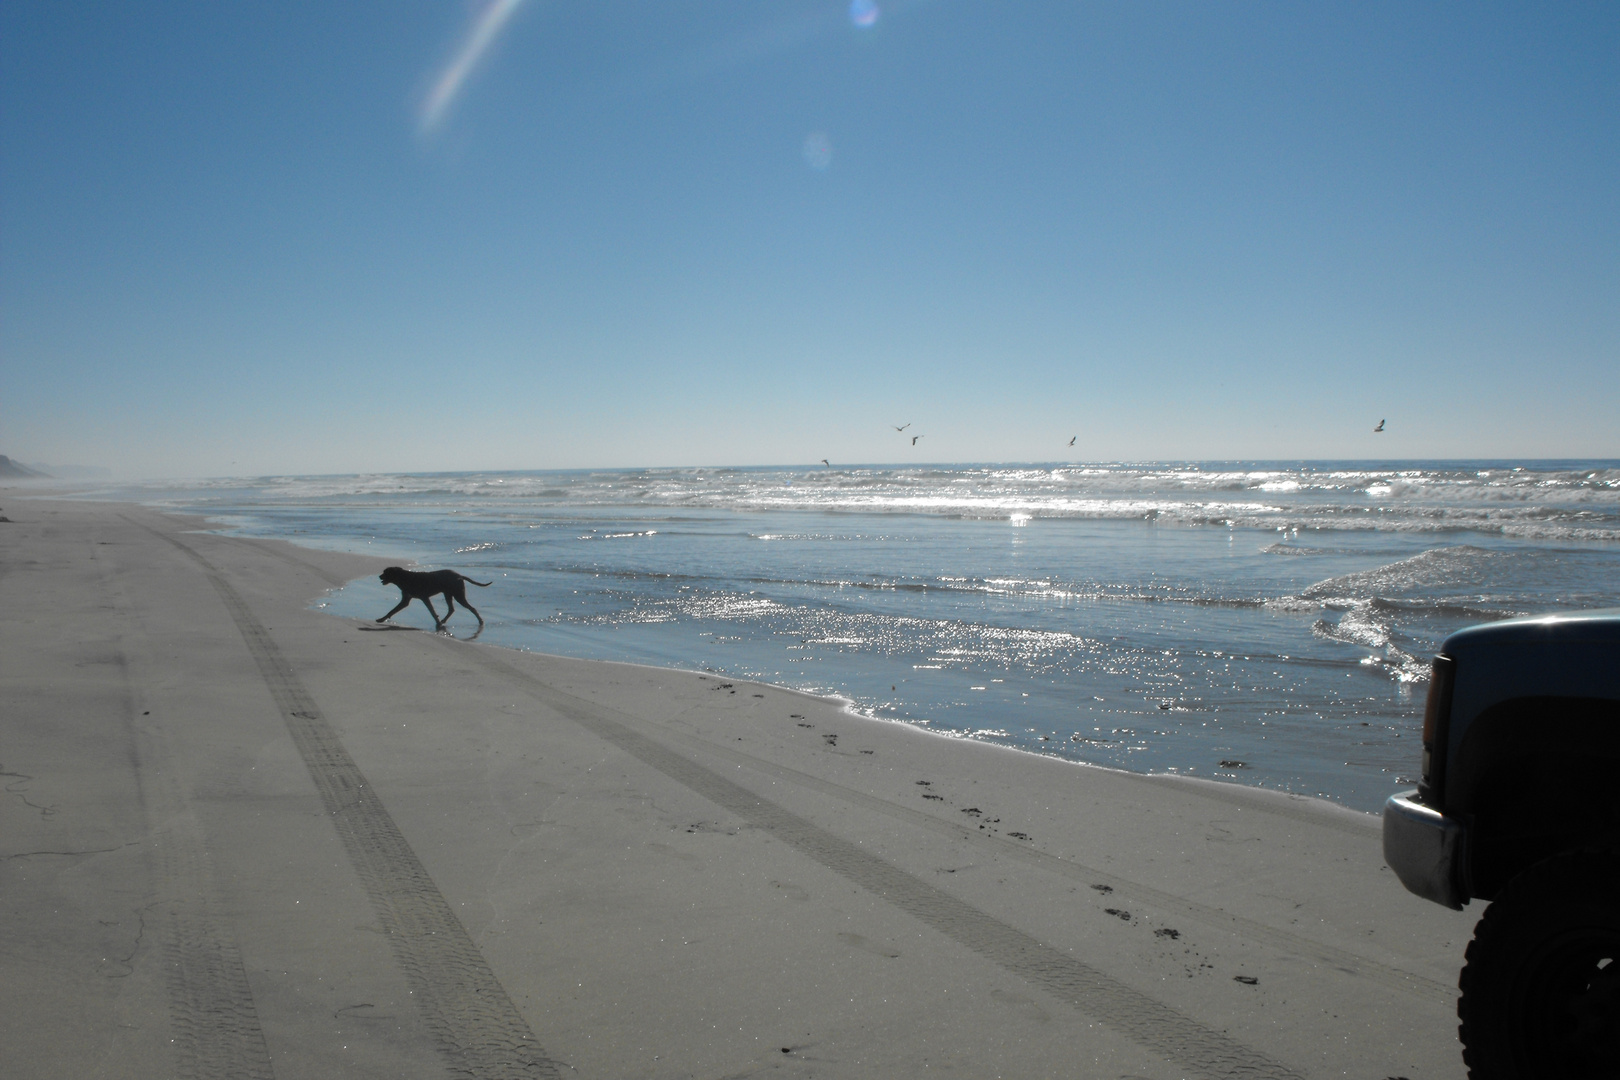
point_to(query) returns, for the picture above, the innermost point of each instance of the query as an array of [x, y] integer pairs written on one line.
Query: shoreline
[[1303, 675], [845, 704], [1290, 777], [662, 873]]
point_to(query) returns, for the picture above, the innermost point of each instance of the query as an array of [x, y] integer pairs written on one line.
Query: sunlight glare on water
[[1265, 624]]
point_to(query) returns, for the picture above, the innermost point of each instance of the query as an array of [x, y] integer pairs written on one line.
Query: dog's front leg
[[437, 624], [403, 600]]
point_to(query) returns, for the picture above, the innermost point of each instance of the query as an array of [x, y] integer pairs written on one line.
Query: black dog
[[416, 585]]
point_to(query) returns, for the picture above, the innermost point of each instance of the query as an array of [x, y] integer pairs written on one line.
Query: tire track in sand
[[478, 1030], [1350, 963], [1145, 1020], [215, 1025]]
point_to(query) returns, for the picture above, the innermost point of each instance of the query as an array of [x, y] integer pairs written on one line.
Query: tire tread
[[1572, 877]]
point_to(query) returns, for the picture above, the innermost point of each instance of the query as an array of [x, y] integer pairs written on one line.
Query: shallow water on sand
[[1263, 623]]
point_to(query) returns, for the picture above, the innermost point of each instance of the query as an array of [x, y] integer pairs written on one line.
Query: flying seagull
[[1072, 438], [914, 439], [902, 427], [1380, 426], [827, 463]]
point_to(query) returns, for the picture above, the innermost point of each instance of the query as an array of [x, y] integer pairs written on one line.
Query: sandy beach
[[241, 837]]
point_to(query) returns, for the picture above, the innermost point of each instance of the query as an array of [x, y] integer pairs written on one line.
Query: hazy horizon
[[256, 240], [100, 474]]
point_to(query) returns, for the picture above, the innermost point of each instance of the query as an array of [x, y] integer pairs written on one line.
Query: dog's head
[[392, 576]]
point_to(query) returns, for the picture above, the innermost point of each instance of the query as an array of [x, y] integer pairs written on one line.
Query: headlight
[[1436, 712]]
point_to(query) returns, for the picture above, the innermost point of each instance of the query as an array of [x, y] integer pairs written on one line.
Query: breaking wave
[[1558, 501]]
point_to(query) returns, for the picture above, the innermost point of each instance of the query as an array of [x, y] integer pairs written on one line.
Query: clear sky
[[271, 237]]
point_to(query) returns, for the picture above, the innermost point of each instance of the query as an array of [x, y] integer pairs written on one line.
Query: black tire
[[1541, 986]]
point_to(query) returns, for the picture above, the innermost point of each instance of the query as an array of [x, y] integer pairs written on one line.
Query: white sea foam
[[1137, 615], [1446, 566], [1577, 502]]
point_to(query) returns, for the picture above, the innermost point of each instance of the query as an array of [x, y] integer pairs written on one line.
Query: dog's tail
[[480, 584]]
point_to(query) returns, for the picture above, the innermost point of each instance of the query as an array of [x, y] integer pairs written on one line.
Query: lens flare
[[863, 13], [485, 29], [817, 150]]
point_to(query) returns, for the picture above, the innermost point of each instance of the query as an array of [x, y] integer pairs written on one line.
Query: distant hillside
[[12, 471]]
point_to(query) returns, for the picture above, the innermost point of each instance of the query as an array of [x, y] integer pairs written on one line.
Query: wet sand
[[240, 837]]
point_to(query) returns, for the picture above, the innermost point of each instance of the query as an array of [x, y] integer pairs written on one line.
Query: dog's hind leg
[[460, 593]]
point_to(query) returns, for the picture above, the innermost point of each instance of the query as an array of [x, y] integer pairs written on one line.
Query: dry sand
[[243, 838]]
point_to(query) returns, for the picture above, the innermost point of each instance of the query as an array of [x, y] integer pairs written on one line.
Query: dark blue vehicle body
[[1521, 755]]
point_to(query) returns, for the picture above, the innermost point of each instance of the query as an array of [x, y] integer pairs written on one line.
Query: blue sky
[[684, 232]]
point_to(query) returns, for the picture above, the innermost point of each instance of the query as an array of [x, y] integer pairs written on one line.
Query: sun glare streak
[[485, 29]]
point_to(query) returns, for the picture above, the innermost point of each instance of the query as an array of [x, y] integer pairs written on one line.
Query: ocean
[[1260, 622]]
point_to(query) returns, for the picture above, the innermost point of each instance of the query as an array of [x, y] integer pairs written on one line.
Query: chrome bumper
[[1425, 849]]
